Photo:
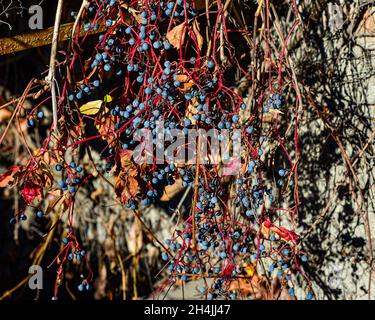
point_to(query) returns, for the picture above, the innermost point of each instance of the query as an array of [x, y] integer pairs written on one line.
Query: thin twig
[[78, 18], [52, 65]]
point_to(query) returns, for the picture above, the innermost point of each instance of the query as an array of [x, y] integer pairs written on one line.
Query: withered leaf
[[259, 288], [186, 82], [197, 34], [9, 176], [106, 127], [5, 180], [126, 184], [192, 110], [176, 36], [126, 187], [171, 190]]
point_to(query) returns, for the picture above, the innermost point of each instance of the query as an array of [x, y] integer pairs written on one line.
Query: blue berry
[[98, 57], [164, 256], [72, 189], [210, 64], [157, 44], [30, 123], [250, 129], [188, 96], [39, 214]]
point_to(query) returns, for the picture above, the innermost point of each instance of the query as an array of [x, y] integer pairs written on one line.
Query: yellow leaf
[[249, 269], [91, 108], [107, 98]]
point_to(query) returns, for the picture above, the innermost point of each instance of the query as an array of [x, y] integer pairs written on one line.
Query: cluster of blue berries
[[157, 86], [32, 118], [74, 174]]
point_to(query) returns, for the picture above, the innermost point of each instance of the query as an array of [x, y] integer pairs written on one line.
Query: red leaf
[[31, 190]]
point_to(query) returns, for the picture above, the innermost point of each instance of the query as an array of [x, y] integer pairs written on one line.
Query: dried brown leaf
[[186, 82], [126, 184], [197, 34], [9, 176], [176, 36], [171, 190], [106, 127]]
